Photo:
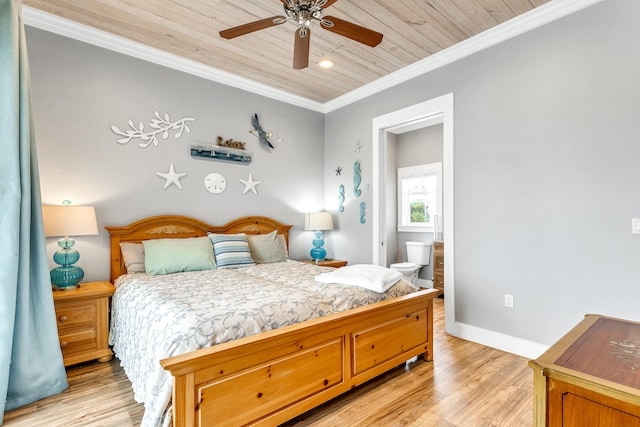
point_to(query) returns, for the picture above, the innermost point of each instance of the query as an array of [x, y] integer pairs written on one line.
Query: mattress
[[156, 317]]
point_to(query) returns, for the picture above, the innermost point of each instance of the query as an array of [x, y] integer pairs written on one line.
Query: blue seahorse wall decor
[[363, 207], [357, 179], [341, 198]]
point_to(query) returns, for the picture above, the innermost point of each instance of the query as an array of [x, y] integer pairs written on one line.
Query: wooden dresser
[[438, 266], [83, 322], [590, 377]]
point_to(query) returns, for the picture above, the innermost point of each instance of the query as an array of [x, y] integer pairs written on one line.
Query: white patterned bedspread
[[155, 317]]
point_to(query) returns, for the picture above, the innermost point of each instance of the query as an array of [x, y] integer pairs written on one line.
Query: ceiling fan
[[304, 13]]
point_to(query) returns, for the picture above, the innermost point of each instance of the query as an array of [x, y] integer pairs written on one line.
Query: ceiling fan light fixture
[[326, 63], [328, 23], [304, 13]]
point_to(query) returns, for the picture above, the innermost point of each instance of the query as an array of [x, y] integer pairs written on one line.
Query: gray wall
[[545, 172], [81, 90]]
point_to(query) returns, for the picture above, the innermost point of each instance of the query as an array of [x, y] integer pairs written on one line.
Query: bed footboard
[[272, 377]]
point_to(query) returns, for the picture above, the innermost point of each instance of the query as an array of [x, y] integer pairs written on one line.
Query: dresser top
[[601, 347]]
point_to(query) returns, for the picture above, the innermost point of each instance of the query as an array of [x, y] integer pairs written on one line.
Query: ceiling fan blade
[[250, 27], [353, 31], [301, 50], [329, 3]]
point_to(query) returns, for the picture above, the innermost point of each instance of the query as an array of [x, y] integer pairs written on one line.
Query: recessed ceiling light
[[325, 63]]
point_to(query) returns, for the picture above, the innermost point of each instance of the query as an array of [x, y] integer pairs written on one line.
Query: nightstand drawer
[[82, 339], [74, 313]]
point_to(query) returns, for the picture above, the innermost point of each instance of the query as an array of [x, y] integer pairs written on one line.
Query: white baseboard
[[514, 345]]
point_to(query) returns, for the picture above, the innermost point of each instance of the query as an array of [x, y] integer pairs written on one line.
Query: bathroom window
[[419, 197]]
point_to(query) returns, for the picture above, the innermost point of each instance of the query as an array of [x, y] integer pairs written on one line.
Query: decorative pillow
[[163, 256], [133, 255], [266, 248], [232, 250]]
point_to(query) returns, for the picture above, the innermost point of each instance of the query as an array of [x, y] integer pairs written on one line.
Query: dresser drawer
[[76, 312]]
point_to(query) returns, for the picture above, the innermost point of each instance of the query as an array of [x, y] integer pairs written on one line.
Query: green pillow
[[266, 248], [164, 256]]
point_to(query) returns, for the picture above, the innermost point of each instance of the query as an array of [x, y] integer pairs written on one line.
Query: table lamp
[[66, 220], [318, 222]]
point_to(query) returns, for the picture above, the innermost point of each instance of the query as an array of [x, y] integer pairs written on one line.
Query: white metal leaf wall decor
[[160, 127]]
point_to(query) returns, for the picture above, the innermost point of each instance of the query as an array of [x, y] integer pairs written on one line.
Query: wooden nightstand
[[335, 263], [82, 316]]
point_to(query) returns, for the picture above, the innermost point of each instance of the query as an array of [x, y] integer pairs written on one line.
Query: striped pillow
[[231, 250]]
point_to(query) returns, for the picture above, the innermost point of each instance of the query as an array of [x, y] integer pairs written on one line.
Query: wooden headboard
[[174, 226]]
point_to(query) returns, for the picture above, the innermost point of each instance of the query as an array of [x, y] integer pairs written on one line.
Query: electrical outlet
[[508, 300]]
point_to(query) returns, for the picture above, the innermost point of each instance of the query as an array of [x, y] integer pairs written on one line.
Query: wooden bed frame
[[269, 378]]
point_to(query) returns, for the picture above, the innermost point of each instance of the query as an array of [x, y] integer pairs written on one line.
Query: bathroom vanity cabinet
[[438, 266]]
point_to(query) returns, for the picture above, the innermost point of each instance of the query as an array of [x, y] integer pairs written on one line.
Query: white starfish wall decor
[[172, 177], [250, 185]]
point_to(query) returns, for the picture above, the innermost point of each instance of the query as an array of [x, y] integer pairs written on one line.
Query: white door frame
[[428, 113]]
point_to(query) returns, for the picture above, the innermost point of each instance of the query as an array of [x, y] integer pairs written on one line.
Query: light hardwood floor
[[467, 384]]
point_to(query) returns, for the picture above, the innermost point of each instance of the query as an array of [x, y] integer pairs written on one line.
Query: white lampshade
[[318, 221], [64, 220]]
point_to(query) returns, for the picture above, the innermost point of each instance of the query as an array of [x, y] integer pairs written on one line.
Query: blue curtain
[[31, 365]]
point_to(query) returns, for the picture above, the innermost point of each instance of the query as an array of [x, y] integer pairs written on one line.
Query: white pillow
[[266, 248], [133, 256], [283, 242]]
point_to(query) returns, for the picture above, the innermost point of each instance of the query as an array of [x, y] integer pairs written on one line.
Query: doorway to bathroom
[[414, 163], [434, 117]]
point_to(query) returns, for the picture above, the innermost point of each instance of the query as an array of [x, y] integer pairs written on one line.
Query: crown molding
[[521, 24], [73, 30], [535, 18]]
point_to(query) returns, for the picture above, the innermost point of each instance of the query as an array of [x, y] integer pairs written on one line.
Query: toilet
[[418, 255]]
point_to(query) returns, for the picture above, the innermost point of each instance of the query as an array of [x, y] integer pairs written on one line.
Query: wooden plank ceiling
[[413, 30]]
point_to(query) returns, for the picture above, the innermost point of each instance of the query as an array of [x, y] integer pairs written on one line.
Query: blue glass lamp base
[[318, 253], [66, 276]]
